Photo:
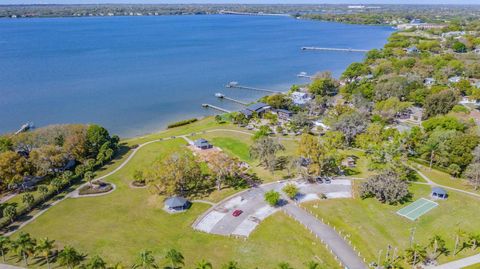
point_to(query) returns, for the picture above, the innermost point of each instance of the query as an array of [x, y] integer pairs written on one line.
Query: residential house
[[349, 162], [429, 81], [455, 79], [300, 98], [259, 108], [284, 114], [412, 50]]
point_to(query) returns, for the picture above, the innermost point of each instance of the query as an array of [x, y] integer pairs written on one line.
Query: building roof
[[284, 111], [257, 107], [246, 112], [176, 201], [438, 190], [201, 142]]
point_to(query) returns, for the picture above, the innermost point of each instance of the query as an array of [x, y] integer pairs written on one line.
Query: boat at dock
[[25, 127]]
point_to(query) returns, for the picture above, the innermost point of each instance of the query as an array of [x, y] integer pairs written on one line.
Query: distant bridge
[[334, 49]]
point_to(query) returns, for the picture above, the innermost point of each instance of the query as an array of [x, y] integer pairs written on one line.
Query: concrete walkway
[[347, 256], [458, 263], [6, 266]]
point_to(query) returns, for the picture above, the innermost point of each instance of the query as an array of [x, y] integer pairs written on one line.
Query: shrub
[[272, 197], [291, 190], [460, 109], [181, 123]]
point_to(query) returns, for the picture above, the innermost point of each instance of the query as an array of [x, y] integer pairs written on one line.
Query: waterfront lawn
[[119, 225], [373, 226], [238, 144]]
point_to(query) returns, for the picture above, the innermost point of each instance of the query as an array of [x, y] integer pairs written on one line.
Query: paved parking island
[[220, 219]]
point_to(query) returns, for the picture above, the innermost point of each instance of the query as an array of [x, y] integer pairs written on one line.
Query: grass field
[[373, 226], [119, 225]]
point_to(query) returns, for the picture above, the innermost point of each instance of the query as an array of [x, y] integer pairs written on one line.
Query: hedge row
[[181, 123]]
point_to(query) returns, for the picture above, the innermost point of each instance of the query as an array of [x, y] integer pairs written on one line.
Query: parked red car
[[237, 213]]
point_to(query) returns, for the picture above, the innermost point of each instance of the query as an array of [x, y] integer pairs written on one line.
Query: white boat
[[219, 95]]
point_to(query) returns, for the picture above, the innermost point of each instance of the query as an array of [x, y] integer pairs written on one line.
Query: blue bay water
[[134, 75]]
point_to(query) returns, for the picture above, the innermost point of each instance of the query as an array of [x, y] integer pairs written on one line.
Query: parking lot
[[219, 219]]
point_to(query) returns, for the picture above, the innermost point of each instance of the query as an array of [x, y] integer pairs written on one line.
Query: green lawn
[[443, 178], [119, 225], [373, 226]]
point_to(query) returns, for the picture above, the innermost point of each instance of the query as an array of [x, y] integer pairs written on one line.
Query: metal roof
[[176, 201], [439, 190]]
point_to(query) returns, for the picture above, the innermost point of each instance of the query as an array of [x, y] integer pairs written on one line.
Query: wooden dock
[[216, 108], [222, 96], [334, 49], [238, 86]]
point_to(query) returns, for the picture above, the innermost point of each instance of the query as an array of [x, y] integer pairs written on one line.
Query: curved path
[[74, 193]]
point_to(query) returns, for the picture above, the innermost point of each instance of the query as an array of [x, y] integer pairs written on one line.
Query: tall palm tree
[[312, 265], [203, 264], [96, 262], [175, 258], [24, 246], [146, 260], [4, 246], [70, 257], [231, 265], [45, 248], [89, 176]]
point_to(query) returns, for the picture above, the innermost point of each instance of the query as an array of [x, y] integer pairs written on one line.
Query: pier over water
[[334, 49]]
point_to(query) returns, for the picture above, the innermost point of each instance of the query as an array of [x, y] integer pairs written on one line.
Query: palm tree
[[203, 264], [416, 254], [43, 190], [146, 260], [44, 248], [284, 265], [231, 265], [70, 257], [312, 265], [96, 262], [67, 177], [4, 246], [24, 246], [175, 258], [89, 176]]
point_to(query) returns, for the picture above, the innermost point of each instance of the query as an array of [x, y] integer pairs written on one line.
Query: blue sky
[[243, 1]]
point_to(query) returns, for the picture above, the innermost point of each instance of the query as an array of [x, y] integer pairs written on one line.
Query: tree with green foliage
[[145, 260], [278, 101], [272, 197], [322, 153], [89, 176], [265, 149], [263, 131], [312, 265], [24, 246], [324, 84], [5, 245], [472, 173], [96, 262], [45, 249], [416, 254], [28, 200], [440, 103], [6, 144], [69, 257], [175, 258], [10, 211], [231, 265], [284, 265], [355, 70], [443, 122], [459, 47], [291, 190], [13, 168], [350, 124], [386, 187], [203, 264]]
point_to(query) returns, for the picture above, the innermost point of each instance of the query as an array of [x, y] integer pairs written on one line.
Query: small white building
[[300, 98], [455, 79], [429, 81]]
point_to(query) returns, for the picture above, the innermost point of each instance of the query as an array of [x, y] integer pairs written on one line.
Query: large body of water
[[134, 75]]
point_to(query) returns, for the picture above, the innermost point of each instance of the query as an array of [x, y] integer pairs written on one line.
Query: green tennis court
[[416, 209]]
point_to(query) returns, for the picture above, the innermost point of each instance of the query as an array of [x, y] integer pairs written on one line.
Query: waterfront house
[[284, 114], [259, 108], [455, 79], [202, 144], [429, 81], [300, 98]]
